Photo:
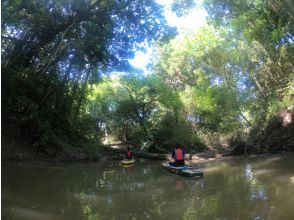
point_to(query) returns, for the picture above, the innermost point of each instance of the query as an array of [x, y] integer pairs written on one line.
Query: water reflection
[[292, 179], [257, 190], [248, 172], [249, 188]]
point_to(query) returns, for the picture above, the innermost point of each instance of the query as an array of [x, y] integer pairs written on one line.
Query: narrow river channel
[[240, 188]]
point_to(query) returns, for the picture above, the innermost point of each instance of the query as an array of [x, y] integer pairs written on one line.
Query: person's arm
[[173, 154]]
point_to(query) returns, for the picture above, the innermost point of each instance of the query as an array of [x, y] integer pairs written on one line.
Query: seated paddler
[[178, 156], [129, 154]]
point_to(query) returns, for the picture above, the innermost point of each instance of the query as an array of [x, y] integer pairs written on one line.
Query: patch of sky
[[194, 118], [217, 80], [191, 22], [241, 85]]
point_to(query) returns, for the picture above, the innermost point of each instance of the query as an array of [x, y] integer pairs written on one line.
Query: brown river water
[[240, 188]]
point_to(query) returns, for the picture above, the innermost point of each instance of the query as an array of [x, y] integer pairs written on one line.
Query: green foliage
[[205, 86], [182, 7], [265, 57], [171, 130], [52, 52]]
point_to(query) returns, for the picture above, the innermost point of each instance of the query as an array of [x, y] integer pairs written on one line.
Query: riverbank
[[17, 150], [276, 137]]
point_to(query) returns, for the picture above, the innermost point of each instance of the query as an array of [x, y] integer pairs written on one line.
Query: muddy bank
[[277, 135], [15, 150], [117, 152], [18, 149]]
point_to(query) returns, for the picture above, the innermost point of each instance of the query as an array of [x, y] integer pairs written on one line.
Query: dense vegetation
[[66, 79]]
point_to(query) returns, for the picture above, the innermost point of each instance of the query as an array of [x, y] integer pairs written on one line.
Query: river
[[240, 188]]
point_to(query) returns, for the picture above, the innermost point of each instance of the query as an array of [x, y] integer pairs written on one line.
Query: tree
[[267, 52], [53, 51], [202, 69]]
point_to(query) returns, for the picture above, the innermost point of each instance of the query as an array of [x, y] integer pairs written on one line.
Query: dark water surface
[[243, 188]]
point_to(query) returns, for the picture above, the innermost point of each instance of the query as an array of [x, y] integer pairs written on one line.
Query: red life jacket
[[130, 153], [179, 154]]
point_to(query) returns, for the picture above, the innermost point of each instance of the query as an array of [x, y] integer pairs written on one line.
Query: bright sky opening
[[191, 22]]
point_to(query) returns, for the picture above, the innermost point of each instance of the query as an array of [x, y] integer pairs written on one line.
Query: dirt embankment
[[276, 136], [20, 149]]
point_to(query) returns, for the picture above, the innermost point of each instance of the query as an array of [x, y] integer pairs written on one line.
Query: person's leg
[[180, 163], [172, 163]]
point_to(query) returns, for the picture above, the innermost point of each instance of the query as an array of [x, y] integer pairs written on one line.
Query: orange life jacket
[[179, 154]]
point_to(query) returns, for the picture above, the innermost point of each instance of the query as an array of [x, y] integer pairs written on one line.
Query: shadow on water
[[246, 188]]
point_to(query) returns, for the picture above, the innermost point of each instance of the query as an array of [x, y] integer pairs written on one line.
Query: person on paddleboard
[[129, 154], [178, 155]]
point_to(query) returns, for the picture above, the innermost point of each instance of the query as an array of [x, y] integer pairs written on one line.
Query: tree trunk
[[59, 45]]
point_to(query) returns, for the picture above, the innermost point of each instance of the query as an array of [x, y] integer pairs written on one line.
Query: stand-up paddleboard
[[183, 170], [126, 162]]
